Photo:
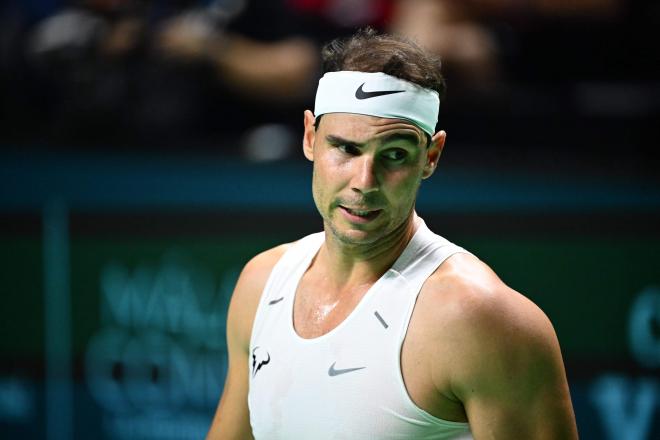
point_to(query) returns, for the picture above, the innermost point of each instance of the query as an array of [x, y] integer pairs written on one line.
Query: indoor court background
[[137, 177]]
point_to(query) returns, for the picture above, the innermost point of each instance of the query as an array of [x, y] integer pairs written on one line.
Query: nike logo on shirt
[[361, 94], [332, 371]]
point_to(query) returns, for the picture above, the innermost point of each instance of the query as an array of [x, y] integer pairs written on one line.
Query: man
[[377, 328]]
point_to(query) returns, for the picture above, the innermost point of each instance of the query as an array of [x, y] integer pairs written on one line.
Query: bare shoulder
[[489, 328], [496, 352], [464, 289], [255, 273], [232, 419], [248, 290]]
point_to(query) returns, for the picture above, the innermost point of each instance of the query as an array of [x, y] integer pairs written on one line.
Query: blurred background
[[148, 149]]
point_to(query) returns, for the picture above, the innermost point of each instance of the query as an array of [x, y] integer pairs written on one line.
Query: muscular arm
[[507, 368], [232, 421], [518, 389]]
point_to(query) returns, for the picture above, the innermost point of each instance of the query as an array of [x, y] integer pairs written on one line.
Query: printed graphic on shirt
[[275, 301], [332, 371], [380, 318], [260, 357]]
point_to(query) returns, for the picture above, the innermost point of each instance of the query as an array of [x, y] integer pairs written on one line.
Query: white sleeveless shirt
[[347, 383]]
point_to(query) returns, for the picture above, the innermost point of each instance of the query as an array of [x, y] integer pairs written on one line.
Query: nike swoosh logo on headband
[[361, 94]]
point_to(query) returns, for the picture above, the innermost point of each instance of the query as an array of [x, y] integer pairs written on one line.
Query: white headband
[[377, 94]]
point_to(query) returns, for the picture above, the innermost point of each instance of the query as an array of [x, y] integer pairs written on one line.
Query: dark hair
[[369, 51]]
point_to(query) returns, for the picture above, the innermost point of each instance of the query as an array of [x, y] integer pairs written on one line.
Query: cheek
[[403, 190], [328, 171], [322, 184], [405, 182]]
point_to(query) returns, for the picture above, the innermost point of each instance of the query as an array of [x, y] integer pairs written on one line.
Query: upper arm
[[512, 381], [498, 355], [232, 419]]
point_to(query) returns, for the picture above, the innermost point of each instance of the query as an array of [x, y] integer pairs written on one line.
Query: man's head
[[395, 56], [368, 51], [379, 100]]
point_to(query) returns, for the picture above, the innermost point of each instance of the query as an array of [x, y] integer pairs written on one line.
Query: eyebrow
[[403, 137], [337, 140]]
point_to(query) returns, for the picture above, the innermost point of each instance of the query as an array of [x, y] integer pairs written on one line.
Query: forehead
[[363, 128]]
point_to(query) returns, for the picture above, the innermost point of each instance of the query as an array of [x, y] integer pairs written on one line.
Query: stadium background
[[122, 233]]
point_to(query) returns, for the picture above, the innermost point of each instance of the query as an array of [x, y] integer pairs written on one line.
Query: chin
[[349, 235]]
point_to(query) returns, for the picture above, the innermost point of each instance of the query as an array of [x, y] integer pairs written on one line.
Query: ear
[[309, 135], [433, 153]]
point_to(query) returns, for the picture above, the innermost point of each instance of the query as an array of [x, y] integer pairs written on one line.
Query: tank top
[[347, 383]]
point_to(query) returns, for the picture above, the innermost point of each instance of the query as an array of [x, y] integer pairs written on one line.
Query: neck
[[351, 264]]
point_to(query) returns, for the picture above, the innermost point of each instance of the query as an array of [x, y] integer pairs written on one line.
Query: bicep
[[232, 420], [518, 388], [531, 408]]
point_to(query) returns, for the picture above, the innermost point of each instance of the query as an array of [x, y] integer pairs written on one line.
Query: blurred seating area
[[539, 83]]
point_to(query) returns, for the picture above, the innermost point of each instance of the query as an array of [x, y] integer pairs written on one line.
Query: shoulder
[[466, 292], [488, 328], [494, 351], [248, 290], [258, 269], [464, 289]]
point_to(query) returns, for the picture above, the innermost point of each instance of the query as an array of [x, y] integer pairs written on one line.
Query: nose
[[365, 179]]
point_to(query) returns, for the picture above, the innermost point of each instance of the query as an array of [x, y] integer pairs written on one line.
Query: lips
[[360, 214]]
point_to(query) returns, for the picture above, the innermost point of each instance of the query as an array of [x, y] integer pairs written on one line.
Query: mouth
[[360, 215]]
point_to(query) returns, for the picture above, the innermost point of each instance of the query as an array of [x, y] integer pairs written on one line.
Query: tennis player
[[377, 328]]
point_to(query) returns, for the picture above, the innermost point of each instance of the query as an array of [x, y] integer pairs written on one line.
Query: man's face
[[367, 171]]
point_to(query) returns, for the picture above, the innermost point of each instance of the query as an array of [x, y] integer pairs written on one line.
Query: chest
[[371, 325], [319, 308]]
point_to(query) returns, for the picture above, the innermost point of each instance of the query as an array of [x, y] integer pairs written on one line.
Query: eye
[[395, 154], [348, 149]]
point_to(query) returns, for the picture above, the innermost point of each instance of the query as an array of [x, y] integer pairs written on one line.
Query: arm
[[494, 353], [510, 376], [232, 420]]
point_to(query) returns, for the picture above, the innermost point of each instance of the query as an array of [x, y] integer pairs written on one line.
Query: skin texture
[[475, 350]]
